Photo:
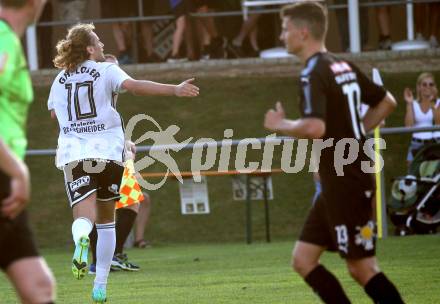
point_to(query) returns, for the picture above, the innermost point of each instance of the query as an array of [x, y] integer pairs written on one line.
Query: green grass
[[239, 273]]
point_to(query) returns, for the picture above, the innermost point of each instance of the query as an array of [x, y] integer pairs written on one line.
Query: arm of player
[[145, 87], [375, 115], [310, 128], [20, 185]]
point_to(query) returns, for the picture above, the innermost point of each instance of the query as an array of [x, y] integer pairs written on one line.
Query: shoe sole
[[119, 267], [79, 260], [130, 269]]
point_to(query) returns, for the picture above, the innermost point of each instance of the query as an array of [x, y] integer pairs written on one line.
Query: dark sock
[[326, 285], [93, 236], [124, 222], [382, 291]]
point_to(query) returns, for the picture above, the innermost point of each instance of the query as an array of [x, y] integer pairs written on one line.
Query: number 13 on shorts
[[342, 238]]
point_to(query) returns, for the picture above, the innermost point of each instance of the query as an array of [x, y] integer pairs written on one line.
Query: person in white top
[[422, 112], [91, 141]]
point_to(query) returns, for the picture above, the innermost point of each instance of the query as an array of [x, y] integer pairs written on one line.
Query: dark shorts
[[89, 176], [16, 238], [118, 8], [341, 220]]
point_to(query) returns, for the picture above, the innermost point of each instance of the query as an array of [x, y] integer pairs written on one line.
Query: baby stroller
[[414, 206]]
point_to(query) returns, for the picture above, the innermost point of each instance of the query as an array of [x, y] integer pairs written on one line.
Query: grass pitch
[[239, 273]]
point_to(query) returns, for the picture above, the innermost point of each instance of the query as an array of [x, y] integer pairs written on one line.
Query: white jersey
[[90, 126]]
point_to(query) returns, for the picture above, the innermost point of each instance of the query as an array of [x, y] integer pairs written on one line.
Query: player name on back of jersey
[[79, 70], [84, 127], [343, 72]]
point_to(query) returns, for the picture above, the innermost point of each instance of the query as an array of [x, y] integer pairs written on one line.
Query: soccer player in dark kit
[[331, 91]]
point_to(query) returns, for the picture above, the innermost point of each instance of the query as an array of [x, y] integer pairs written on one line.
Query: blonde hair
[[419, 82], [72, 50]]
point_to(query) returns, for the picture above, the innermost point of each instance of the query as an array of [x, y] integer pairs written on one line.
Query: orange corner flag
[[130, 190]]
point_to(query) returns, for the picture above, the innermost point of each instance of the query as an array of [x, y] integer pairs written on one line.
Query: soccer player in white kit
[[91, 141]]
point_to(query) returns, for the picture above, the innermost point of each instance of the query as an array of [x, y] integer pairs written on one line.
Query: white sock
[[81, 227], [105, 249]]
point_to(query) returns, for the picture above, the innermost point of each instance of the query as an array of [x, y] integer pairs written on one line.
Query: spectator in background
[[212, 43], [434, 23], [73, 10], [122, 31], [147, 32], [342, 16], [426, 20], [180, 10], [44, 34], [248, 28], [420, 14], [383, 14], [422, 112]]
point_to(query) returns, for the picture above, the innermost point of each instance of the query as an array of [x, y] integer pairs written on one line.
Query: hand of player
[[19, 196], [186, 89], [408, 95], [273, 118]]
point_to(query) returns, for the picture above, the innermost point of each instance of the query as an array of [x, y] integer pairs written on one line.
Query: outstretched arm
[[145, 87]]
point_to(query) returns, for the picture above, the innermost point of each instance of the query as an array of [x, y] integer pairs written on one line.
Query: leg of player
[[105, 225], [33, 280], [142, 221], [366, 272], [125, 219], [84, 216], [93, 236], [306, 263]]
